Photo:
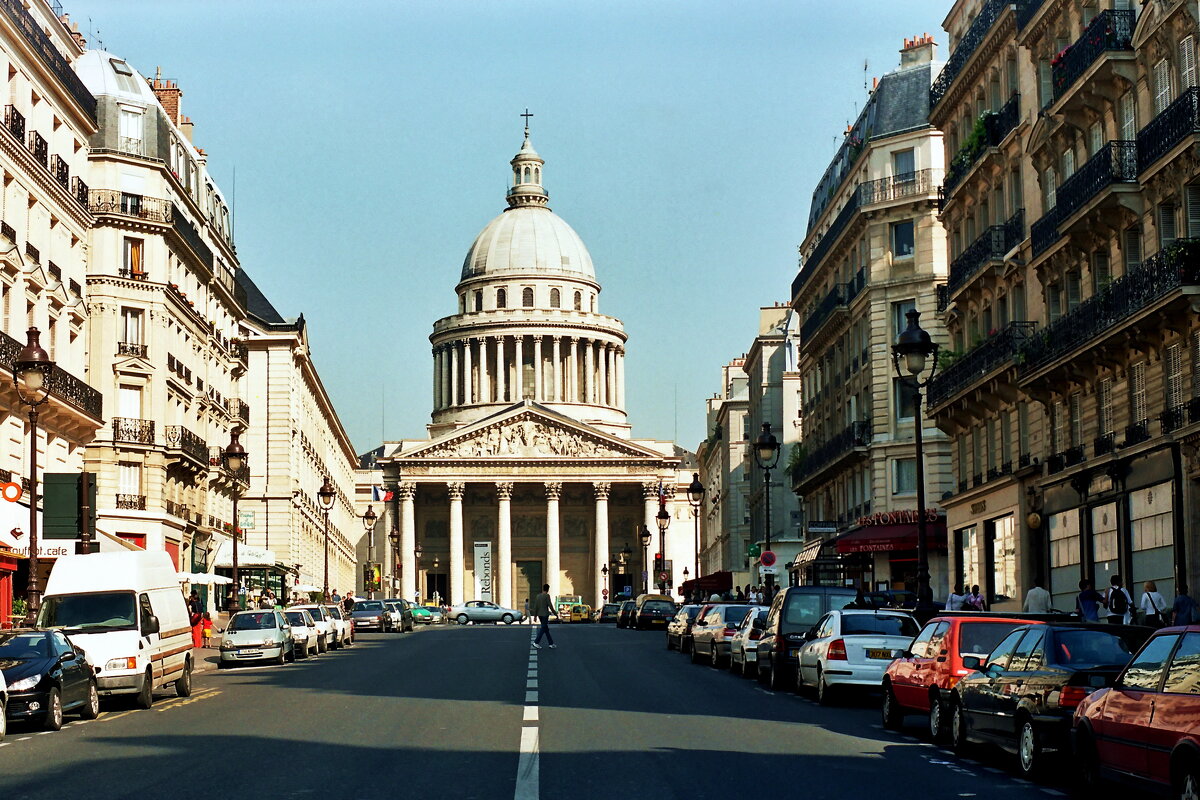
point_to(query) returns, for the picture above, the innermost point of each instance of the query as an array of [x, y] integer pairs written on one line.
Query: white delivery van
[[127, 612]]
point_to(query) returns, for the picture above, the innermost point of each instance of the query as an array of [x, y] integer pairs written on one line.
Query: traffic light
[[658, 562]]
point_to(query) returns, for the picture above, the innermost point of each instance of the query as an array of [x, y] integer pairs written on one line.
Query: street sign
[[245, 520], [768, 570], [767, 559], [662, 576], [645, 575], [604, 594], [754, 550]]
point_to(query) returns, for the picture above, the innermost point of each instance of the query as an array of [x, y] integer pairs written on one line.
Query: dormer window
[[125, 77]]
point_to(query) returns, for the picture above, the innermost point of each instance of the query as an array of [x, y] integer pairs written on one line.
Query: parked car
[[898, 598], [1145, 729], [46, 676], [371, 615], [851, 647], [793, 612], [626, 614], [343, 626], [679, 629], [485, 611], [743, 646], [438, 615], [1024, 696], [581, 613], [922, 678], [712, 632], [653, 614], [401, 614], [422, 614], [126, 612], [607, 612], [257, 636], [326, 626], [305, 636], [3, 707]]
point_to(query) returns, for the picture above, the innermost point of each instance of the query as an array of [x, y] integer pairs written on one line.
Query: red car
[[1145, 729], [921, 680]]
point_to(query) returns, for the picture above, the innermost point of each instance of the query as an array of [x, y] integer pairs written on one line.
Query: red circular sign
[[767, 559], [604, 594]]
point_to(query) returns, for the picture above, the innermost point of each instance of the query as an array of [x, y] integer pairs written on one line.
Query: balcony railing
[[1104, 444], [1044, 233], [180, 510], [133, 431], [1137, 433], [993, 127], [979, 362], [134, 275], [14, 122], [187, 231], [33, 253], [857, 434], [995, 242], [238, 351], [827, 239], [1026, 10], [1167, 270], [61, 171], [80, 190], [8, 232], [966, 48], [1116, 162], [896, 187], [131, 349], [48, 53], [132, 502], [180, 438], [839, 297], [61, 384], [130, 144], [943, 297], [1110, 30], [39, 148], [1173, 419], [239, 409], [110, 201], [1178, 121]]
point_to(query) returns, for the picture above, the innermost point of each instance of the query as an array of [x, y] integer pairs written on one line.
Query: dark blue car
[[46, 678]]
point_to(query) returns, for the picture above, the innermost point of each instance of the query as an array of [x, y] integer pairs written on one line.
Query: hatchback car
[[1025, 695], [852, 647], [343, 626], [581, 613], [326, 629], [743, 647], [305, 636], [371, 615], [422, 614], [607, 613], [712, 632], [653, 614], [626, 614], [679, 629], [47, 677], [401, 614], [486, 611], [257, 636]]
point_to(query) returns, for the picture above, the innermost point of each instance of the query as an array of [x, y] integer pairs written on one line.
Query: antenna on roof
[[866, 81]]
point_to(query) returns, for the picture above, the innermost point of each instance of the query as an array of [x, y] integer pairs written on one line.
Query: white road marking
[[24, 739], [531, 714], [532, 673], [531, 697], [527, 766], [531, 683]]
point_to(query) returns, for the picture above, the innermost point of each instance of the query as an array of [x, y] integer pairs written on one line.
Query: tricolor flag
[[380, 494]]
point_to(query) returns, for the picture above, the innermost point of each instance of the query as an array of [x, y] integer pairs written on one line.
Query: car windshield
[[980, 638], [1092, 648], [609, 607], [296, 618], [334, 612], [692, 611], [734, 614], [368, 605], [318, 613], [878, 625], [89, 612], [24, 646], [252, 621], [658, 605]]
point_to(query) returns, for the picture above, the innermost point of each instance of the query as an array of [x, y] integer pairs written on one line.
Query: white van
[[127, 612]]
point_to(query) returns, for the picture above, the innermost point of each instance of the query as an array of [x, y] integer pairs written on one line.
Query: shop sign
[[905, 517]]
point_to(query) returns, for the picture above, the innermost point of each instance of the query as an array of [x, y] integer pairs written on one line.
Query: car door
[[1175, 710], [1021, 680], [810, 653], [904, 672], [1122, 727], [978, 692], [71, 666]]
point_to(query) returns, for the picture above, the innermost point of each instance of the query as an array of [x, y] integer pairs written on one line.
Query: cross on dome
[[527, 189]]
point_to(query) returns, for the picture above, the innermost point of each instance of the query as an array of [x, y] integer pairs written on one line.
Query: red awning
[[888, 538], [713, 582]]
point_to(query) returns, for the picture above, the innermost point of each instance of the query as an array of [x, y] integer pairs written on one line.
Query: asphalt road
[[474, 712]]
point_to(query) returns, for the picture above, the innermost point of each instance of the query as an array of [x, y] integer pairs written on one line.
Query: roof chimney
[[917, 50], [168, 94], [185, 125]]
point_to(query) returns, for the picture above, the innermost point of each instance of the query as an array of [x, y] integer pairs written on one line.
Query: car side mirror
[[65, 657], [972, 662], [151, 626]]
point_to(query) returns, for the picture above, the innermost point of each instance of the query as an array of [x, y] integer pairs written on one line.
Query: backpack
[[1118, 603]]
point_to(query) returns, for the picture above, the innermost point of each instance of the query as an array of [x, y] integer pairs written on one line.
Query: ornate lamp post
[[326, 495], [915, 347], [397, 565], [766, 453], [604, 572], [369, 518], [663, 520], [685, 575], [235, 459], [644, 536], [417, 568], [696, 497], [31, 369]]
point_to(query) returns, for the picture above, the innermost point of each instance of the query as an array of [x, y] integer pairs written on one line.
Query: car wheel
[[776, 680], [3, 720], [507, 619], [760, 674], [669, 645], [322, 644], [90, 708], [1187, 785], [892, 716], [824, 690], [281, 659], [958, 729], [183, 684], [733, 664], [1087, 763], [462, 619], [937, 720], [1029, 748], [695, 656], [291, 654], [54, 713], [714, 659], [145, 697]]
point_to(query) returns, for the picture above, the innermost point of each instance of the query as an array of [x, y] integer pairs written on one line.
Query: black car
[[653, 614], [1023, 696], [626, 614], [679, 629], [793, 612], [370, 615], [608, 612], [46, 677], [406, 615]]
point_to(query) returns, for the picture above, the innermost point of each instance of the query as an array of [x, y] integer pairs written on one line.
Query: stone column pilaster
[[538, 369], [553, 493], [409, 580], [503, 571], [457, 490], [602, 491], [468, 373], [556, 368]]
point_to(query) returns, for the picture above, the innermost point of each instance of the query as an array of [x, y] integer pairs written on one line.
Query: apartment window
[[903, 164], [1133, 249], [1101, 271], [1049, 195], [129, 127], [1054, 301], [1162, 86], [1068, 163], [1076, 420], [1045, 83], [1058, 433], [900, 316], [1167, 232], [593, 303], [479, 301], [129, 477], [501, 298], [555, 298], [1192, 202], [1127, 115], [1174, 366], [125, 78], [904, 476], [1095, 138], [6, 302], [1187, 62], [129, 402], [1137, 392], [1089, 14], [132, 258], [977, 450], [906, 401], [992, 446], [1023, 427], [1104, 408], [902, 239], [1196, 364], [131, 325], [1074, 289], [527, 297], [578, 301]]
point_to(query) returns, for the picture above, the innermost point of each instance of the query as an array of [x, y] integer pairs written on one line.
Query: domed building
[[530, 474]]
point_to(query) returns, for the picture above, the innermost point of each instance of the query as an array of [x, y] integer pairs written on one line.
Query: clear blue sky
[[371, 143]]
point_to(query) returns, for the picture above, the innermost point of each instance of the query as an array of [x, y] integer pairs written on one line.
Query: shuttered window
[[1167, 232], [1045, 83], [1074, 291], [1101, 271], [1104, 410], [1127, 109], [1137, 393], [1076, 420], [1068, 164], [1095, 138], [1048, 187], [1174, 364], [1162, 86], [1133, 249], [1187, 62], [1192, 198], [1057, 429]]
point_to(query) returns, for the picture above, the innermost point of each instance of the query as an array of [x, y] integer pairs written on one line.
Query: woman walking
[[1153, 605]]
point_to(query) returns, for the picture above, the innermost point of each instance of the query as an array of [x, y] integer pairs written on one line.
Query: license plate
[[877, 653], [795, 653], [250, 653]]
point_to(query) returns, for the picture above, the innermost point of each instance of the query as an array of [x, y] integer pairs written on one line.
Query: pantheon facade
[[530, 474]]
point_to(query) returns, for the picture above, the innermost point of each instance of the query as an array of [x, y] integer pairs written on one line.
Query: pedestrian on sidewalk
[[543, 608], [194, 618], [1088, 602], [1153, 606], [1118, 602], [335, 597], [207, 625], [1038, 599], [1184, 612]]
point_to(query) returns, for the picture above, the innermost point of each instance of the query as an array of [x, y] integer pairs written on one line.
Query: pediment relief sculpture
[[525, 438]]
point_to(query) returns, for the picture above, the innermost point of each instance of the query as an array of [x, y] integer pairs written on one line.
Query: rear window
[[981, 638], [882, 625], [735, 614], [658, 605], [692, 611], [368, 605], [1092, 648]]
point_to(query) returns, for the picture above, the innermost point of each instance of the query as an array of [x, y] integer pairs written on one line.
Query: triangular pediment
[[529, 431]]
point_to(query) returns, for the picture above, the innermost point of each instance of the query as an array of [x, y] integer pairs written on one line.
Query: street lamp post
[[696, 497], [417, 568], [604, 572], [766, 453], [397, 565], [645, 539], [235, 458], [685, 575], [326, 495], [916, 347], [31, 368], [663, 519], [369, 524]]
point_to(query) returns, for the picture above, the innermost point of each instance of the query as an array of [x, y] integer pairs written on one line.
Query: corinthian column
[[556, 395], [519, 370], [573, 372], [485, 387], [538, 369], [456, 541], [503, 573], [500, 369], [650, 500], [553, 493], [602, 383], [589, 377], [621, 378], [408, 530], [602, 490], [437, 378], [468, 374], [454, 373]]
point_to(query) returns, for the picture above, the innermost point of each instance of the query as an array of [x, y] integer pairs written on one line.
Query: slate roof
[[260, 308]]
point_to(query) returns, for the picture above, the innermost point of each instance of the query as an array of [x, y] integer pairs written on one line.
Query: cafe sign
[[905, 517]]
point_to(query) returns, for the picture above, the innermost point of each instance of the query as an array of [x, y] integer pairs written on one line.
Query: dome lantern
[[527, 166]]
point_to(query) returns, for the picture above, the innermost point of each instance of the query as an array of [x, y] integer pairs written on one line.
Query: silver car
[[255, 636], [484, 611], [326, 629], [305, 636], [743, 647]]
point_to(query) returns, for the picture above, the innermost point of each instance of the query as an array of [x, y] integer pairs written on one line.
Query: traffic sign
[[767, 559], [604, 594], [754, 550], [768, 570], [662, 576]]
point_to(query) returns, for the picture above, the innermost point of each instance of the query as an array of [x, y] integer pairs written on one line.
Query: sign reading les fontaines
[[906, 517]]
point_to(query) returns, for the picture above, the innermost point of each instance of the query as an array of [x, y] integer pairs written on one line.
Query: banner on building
[[483, 570]]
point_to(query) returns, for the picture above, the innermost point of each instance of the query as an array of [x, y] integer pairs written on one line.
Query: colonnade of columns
[[500, 369], [502, 561]]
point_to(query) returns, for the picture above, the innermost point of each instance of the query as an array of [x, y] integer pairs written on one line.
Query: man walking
[[1118, 602], [1038, 599], [542, 609]]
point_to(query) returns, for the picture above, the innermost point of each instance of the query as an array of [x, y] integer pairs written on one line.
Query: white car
[[343, 626], [743, 646], [326, 628], [484, 611], [853, 647], [3, 707], [305, 636]]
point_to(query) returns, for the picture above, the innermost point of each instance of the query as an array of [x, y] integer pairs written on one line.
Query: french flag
[[379, 494]]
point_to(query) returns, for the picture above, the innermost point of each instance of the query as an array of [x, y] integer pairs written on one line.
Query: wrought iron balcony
[[855, 435], [8, 232], [1116, 162], [993, 127], [33, 253], [1103, 445], [39, 148], [1167, 270], [1074, 455], [979, 362], [188, 233], [1173, 419], [134, 275], [995, 242], [239, 409], [180, 510], [1110, 30], [238, 351], [1178, 121], [131, 349], [970, 41], [1026, 10], [1137, 433], [180, 438], [61, 171], [132, 502], [896, 187], [943, 297], [1044, 233], [48, 53], [62, 385], [111, 201], [80, 190], [839, 297], [55, 271], [827, 240], [130, 144], [133, 431], [14, 122]]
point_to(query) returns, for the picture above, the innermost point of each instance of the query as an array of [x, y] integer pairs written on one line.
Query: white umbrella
[[307, 587], [206, 578]]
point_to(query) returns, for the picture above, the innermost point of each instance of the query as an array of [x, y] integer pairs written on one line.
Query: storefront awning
[[713, 582], [890, 538], [247, 556], [808, 554]]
